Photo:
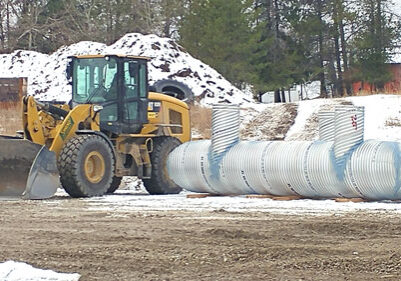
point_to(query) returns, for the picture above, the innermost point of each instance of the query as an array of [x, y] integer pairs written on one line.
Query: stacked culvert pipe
[[339, 164]]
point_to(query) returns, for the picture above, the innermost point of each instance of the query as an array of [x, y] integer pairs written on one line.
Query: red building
[[392, 87]]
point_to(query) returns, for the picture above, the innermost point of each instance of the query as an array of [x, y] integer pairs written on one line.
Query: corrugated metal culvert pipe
[[326, 125], [340, 164]]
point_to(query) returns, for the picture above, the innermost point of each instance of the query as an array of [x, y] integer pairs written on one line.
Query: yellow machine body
[[172, 120], [52, 126]]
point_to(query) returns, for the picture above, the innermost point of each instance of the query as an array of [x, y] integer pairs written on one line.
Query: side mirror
[[97, 107], [69, 70]]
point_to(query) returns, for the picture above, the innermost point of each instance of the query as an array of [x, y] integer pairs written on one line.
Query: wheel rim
[[94, 167]]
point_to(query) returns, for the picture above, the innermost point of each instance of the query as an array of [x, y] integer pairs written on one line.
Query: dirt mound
[[271, 124], [291, 121], [310, 127]]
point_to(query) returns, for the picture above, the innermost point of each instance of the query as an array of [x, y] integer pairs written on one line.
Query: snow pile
[[306, 126], [382, 119], [47, 79], [18, 271]]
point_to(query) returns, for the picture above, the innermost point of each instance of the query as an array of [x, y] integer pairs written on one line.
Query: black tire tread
[[160, 183], [68, 165]]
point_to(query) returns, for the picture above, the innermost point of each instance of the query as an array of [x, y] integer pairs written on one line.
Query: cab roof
[[109, 55]]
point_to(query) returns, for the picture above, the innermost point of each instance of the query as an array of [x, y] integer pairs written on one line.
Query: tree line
[[45, 25], [269, 44]]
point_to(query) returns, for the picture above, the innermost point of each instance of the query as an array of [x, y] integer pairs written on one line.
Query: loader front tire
[[86, 166], [160, 182]]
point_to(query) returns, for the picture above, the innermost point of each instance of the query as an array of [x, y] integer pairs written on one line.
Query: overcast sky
[[398, 6]]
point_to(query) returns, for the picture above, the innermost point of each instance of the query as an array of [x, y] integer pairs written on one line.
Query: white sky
[[398, 6]]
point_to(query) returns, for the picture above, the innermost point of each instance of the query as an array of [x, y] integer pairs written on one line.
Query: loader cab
[[119, 84]]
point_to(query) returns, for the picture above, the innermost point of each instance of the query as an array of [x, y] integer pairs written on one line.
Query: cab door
[[134, 100]]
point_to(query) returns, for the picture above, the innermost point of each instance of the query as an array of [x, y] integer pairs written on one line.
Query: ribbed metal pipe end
[[326, 125], [225, 129], [349, 131]]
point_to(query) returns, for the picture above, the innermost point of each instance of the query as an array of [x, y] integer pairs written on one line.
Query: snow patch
[[130, 201], [380, 110], [18, 271], [382, 117], [306, 125]]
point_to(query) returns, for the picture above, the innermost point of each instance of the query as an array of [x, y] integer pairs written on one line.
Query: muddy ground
[[65, 235]]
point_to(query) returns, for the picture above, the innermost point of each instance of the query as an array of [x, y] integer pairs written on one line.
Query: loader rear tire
[[115, 184], [86, 166], [160, 182]]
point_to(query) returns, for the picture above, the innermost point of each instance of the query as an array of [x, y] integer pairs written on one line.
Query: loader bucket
[[27, 170]]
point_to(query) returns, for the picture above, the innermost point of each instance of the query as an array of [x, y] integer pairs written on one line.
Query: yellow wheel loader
[[113, 127]]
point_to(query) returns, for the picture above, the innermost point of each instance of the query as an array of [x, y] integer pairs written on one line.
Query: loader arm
[[53, 126], [33, 129], [81, 114]]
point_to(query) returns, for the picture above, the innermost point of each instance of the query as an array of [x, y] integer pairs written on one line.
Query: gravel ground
[[142, 237]]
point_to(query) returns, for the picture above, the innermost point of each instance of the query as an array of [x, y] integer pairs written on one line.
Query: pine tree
[[280, 59], [219, 32], [374, 43], [169, 13]]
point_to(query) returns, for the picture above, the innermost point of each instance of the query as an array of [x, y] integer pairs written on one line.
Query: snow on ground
[[291, 121], [47, 79], [382, 117], [306, 123], [18, 271], [126, 201]]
